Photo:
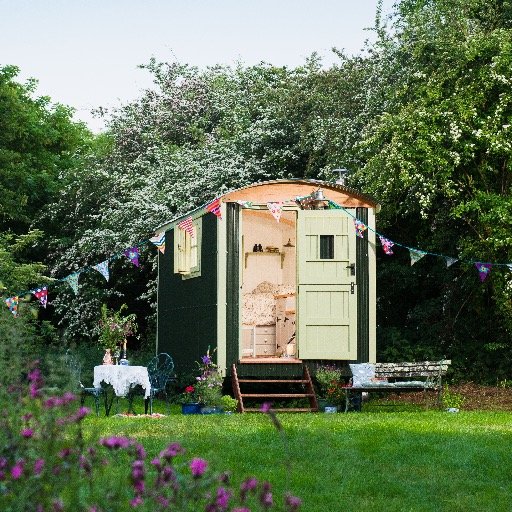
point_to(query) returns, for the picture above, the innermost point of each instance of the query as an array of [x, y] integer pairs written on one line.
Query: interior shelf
[[266, 253]]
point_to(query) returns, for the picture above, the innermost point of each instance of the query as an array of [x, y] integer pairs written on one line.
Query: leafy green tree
[[439, 158]]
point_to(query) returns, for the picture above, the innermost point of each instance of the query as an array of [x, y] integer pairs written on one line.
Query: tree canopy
[[422, 118]]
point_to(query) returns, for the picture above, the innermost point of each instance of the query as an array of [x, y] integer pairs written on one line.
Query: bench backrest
[[419, 369]]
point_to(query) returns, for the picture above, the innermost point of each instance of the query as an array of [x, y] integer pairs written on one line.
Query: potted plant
[[209, 385], [114, 328], [328, 378], [189, 401]]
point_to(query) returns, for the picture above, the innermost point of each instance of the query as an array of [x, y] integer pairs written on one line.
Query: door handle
[[352, 268]]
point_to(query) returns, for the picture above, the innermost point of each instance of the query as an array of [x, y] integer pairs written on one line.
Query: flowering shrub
[[209, 382], [189, 396], [46, 465], [328, 378]]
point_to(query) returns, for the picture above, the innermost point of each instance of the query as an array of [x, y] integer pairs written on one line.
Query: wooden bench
[[425, 376]]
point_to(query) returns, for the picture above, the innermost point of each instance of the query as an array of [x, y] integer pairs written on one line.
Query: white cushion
[[362, 374]]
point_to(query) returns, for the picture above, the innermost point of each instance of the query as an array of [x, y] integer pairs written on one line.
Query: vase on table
[[192, 408], [107, 358]]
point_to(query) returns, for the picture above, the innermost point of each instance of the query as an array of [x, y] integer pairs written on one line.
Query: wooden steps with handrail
[[305, 384]]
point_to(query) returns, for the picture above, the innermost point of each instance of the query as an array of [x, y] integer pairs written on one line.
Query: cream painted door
[[327, 291]]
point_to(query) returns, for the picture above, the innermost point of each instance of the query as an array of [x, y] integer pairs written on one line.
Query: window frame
[[184, 248]]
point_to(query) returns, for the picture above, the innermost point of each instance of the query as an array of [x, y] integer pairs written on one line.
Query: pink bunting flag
[[102, 268], [187, 225], [214, 208], [361, 227], [42, 295], [133, 255], [386, 245], [12, 304], [159, 241], [275, 209], [484, 269]]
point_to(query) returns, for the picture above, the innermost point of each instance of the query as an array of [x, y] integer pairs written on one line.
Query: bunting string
[[275, 208]]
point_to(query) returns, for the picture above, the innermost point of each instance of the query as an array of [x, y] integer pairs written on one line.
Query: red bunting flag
[[42, 295], [187, 225], [215, 208], [386, 245]]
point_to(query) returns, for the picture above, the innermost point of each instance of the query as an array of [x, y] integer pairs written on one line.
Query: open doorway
[[269, 285]]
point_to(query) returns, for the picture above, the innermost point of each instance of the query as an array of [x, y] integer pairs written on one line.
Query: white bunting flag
[[102, 268]]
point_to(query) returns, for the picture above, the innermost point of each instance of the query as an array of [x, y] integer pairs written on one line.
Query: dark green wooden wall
[[232, 284], [187, 308], [363, 291]]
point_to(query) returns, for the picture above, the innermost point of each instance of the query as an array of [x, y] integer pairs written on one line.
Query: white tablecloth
[[122, 377]]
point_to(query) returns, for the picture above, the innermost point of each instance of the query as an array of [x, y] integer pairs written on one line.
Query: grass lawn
[[370, 461]]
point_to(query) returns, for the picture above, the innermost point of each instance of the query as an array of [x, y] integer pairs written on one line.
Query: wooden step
[[276, 395], [307, 391], [281, 409], [275, 381]]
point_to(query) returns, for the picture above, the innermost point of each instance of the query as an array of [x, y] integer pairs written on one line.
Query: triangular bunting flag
[[12, 304], [386, 245], [72, 280], [159, 241], [133, 255], [361, 227], [244, 204], [42, 295], [275, 209], [214, 208], [102, 268], [484, 269], [415, 255], [450, 261], [333, 205], [187, 225]]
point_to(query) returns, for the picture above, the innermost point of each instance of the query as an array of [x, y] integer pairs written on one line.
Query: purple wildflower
[[266, 407], [266, 499], [293, 503], [241, 509], [206, 359], [38, 466], [17, 469], [162, 501], [171, 451], [198, 467], [27, 433], [247, 485], [115, 442], [58, 506], [222, 499], [65, 452], [136, 501]]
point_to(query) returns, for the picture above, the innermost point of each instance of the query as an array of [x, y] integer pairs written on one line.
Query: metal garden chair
[[160, 370], [75, 369]]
